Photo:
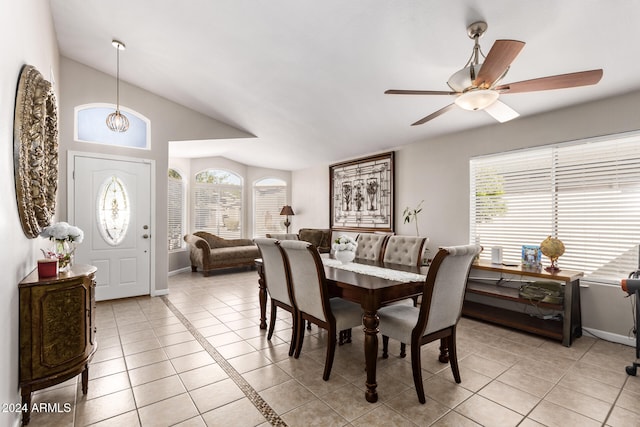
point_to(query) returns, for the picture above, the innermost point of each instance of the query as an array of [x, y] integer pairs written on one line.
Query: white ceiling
[[307, 77]]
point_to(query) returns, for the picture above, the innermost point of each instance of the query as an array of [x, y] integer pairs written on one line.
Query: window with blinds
[[175, 210], [218, 203], [269, 196], [585, 193]]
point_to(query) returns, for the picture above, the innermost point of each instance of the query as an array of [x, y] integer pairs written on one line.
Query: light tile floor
[[197, 357]]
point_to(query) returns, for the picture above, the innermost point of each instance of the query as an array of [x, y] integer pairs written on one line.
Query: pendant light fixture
[[117, 121]]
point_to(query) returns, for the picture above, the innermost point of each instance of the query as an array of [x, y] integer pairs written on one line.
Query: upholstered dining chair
[[404, 250], [371, 246], [437, 316], [276, 281], [311, 300]]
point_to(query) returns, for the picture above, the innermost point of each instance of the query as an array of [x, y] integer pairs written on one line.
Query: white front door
[[112, 205]]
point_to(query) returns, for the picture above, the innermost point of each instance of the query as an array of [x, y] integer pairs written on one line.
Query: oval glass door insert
[[113, 211]]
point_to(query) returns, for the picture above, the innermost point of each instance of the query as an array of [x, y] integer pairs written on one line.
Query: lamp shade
[[286, 210]]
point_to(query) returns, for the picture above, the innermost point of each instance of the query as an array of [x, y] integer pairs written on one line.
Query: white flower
[[75, 234], [63, 231], [344, 243]]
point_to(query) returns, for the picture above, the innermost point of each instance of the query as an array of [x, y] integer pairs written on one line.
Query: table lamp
[[286, 210]]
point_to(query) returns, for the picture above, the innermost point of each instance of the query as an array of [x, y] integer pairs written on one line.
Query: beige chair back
[[371, 246], [275, 274], [405, 250], [309, 288], [445, 287]]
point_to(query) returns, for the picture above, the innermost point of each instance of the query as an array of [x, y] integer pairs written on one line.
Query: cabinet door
[[59, 327]]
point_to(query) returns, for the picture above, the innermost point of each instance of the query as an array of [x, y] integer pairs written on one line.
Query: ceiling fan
[[476, 86]]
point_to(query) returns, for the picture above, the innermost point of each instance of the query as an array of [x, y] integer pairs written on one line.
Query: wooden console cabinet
[[564, 330], [57, 330]]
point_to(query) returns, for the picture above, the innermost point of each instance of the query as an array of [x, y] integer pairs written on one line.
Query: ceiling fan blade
[[418, 92], [501, 55], [561, 81], [434, 115], [501, 112]]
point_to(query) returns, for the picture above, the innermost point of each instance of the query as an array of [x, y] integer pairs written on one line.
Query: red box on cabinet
[[47, 267]]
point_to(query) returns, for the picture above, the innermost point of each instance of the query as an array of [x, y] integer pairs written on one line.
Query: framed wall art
[[35, 151], [362, 194]]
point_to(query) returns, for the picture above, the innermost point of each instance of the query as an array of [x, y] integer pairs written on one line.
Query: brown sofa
[[210, 252], [319, 237]]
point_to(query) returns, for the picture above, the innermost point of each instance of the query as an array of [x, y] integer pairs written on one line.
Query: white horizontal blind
[[218, 208], [587, 194], [269, 196], [511, 203], [175, 211]]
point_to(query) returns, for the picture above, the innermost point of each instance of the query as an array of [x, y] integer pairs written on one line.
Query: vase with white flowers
[[344, 248], [64, 238]]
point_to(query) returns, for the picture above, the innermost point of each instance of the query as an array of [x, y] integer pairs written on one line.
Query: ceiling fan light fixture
[[463, 79], [477, 99]]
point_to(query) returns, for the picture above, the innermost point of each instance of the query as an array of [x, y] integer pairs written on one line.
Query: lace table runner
[[372, 270]]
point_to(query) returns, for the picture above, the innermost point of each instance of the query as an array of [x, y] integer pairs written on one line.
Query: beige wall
[[27, 29], [80, 85], [437, 170]]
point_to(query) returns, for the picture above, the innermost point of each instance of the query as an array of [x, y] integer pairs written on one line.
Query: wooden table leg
[[371, 322], [443, 357], [262, 295]]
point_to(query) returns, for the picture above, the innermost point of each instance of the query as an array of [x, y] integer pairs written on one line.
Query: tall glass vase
[[63, 250]]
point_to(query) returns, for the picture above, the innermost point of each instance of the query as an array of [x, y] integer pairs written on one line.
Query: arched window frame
[[118, 139]]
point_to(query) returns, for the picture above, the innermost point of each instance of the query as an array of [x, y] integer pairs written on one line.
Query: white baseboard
[[160, 292], [182, 270], [608, 336]]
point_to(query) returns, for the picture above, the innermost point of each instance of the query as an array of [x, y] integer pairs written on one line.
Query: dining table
[[372, 284]]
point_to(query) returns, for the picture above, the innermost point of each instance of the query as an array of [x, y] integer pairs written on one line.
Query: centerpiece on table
[[344, 248], [64, 238]]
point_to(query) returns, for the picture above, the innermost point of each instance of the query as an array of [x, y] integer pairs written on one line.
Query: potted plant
[[412, 215]]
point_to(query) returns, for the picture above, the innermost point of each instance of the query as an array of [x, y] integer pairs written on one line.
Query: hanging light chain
[[117, 121]]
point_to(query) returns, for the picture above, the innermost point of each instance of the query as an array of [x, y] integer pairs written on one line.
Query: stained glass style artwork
[[113, 210], [361, 194]]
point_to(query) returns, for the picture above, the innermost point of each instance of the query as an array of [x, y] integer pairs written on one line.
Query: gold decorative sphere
[[553, 249]]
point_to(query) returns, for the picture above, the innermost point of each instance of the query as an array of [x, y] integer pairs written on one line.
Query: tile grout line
[[270, 415]]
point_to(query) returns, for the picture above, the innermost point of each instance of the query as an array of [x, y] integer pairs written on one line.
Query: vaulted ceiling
[[307, 78]]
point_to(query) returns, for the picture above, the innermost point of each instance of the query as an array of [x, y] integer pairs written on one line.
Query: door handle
[[145, 236]]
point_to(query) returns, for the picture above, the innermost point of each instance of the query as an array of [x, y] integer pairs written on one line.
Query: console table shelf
[[513, 319], [565, 330], [506, 293]]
